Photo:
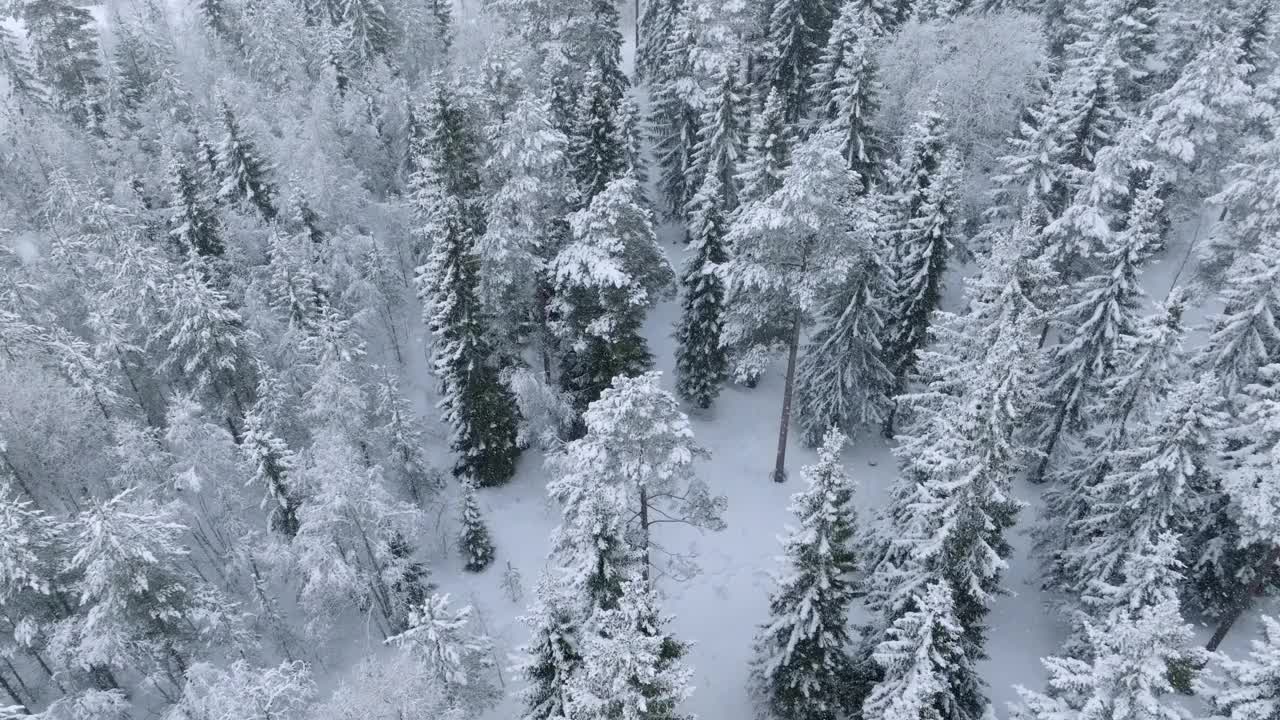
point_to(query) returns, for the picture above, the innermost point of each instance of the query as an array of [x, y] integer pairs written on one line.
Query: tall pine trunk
[[793, 348]]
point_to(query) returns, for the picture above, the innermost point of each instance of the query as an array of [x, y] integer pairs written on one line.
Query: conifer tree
[[768, 152], [631, 668], [1159, 483], [1246, 335], [720, 149], [802, 654], [64, 46], [846, 90], [922, 223], [450, 156], [1249, 688], [1122, 35], [604, 281], [1130, 399], [525, 226], [455, 658], [788, 248], [1095, 328], [639, 446], [1131, 662], [797, 33], [551, 657], [1240, 545], [656, 22], [244, 172], [598, 144], [476, 546], [676, 118], [371, 30], [194, 225], [926, 673], [477, 405], [272, 464], [16, 66], [841, 379], [701, 358]]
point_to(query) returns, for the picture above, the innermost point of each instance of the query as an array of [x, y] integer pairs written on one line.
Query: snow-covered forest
[[639, 360]]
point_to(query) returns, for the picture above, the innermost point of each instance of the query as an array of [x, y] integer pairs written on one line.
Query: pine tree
[[67, 56], [477, 405], [244, 172], [604, 281], [922, 223], [701, 358], [194, 225], [402, 435], [803, 658], [926, 673], [640, 446], [1250, 688], [841, 379], [1122, 35], [846, 91], [525, 226], [476, 546], [788, 247]]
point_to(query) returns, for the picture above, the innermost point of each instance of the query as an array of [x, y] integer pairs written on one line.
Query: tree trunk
[[1246, 598], [780, 465], [644, 534], [1043, 466]]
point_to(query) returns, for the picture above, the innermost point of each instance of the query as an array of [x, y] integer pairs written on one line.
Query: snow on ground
[[720, 609]]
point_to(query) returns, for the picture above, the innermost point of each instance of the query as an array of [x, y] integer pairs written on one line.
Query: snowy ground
[[720, 609]]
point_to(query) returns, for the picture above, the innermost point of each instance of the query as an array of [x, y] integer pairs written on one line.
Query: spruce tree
[[846, 91], [244, 173], [450, 156], [841, 379], [656, 21], [605, 279], [676, 118], [1158, 483], [1130, 399], [370, 27], [797, 33], [475, 543], [768, 152], [477, 405], [16, 66], [702, 361], [926, 673], [550, 658], [194, 224], [272, 464], [1246, 335], [1095, 328], [64, 46], [802, 654], [597, 143], [921, 227], [720, 150], [1249, 688]]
